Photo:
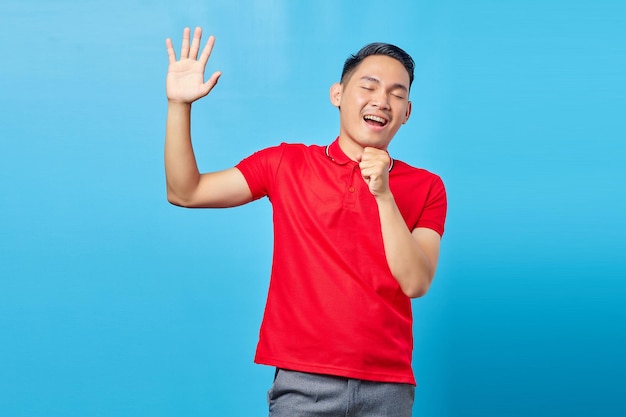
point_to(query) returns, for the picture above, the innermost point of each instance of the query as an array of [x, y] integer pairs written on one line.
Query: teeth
[[375, 118]]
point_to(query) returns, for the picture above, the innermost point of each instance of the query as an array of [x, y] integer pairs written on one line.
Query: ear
[[335, 94], [409, 107]]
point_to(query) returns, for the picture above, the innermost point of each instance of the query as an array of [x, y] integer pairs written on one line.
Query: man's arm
[[185, 84], [412, 256]]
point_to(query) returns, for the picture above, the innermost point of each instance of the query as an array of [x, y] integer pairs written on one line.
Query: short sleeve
[[433, 215], [259, 170]]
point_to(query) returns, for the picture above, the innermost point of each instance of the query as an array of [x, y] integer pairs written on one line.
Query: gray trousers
[[298, 394]]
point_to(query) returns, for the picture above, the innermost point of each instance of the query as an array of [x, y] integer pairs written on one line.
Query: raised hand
[[185, 77]]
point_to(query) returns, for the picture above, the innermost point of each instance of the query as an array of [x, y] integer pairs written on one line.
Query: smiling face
[[373, 103]]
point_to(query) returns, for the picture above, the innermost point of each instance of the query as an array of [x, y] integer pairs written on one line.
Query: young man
[[356, 232]]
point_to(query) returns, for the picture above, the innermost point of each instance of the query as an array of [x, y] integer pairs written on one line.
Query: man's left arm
[[412, 256]]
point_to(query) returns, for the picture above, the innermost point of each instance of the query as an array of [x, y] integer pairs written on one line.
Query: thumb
[[211, 82]]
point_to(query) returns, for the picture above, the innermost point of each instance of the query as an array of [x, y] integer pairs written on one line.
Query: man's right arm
[[185, 185]]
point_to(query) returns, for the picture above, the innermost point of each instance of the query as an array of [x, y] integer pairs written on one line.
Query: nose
[[380, 100]]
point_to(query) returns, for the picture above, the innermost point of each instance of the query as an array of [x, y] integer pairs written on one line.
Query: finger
[[376, 158], [370, 170], [375, 169], [211, 82], [171, 54], [195, 44], [208, 48], [370, 161], [184, 50]]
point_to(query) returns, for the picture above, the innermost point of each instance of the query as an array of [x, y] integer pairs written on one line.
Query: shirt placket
[[352, 186]]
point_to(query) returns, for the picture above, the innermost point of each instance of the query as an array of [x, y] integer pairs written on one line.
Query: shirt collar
[[335, 154]]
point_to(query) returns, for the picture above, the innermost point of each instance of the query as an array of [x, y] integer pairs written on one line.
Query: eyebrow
[[377, 81]]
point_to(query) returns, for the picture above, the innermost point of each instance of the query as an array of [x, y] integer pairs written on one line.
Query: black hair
[[378, 48]]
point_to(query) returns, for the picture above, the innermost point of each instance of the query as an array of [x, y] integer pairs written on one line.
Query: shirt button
[[351, 189]]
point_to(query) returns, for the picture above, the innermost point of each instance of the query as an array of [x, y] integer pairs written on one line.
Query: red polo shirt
[[333, 306]]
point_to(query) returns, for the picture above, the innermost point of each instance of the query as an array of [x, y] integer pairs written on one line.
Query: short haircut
[[378, 48]]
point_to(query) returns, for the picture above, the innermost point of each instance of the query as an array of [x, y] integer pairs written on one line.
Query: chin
[[373, 143]]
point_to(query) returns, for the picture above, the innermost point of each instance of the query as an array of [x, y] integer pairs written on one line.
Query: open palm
[[185, 77]]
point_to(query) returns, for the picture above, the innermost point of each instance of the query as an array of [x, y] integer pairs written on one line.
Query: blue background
[[115, 303]]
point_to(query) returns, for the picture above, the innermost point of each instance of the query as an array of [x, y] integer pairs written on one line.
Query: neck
[[351, 148]]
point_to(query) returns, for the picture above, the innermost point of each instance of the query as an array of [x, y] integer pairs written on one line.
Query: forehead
[[384, 68]]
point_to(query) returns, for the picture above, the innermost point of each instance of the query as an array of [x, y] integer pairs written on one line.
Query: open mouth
[[377, 121]]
